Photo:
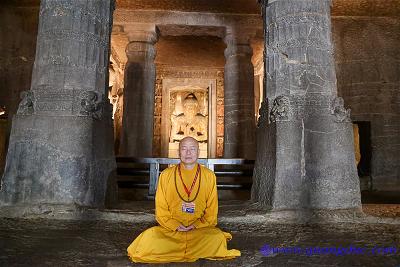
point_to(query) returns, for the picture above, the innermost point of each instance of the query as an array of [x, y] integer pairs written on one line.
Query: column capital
[[238, 43], [238, 36], [142, 38], [146, 33]]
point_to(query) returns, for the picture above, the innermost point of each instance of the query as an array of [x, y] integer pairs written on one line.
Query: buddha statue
[[189, 123]]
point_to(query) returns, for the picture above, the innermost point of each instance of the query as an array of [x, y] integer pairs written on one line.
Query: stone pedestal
[[140, 75], [305, 156], [239, 125], [60, 149]]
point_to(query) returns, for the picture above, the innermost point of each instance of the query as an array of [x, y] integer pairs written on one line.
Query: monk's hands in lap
[[182, 228]]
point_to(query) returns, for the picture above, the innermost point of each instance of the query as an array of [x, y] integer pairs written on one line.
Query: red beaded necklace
[[187, 190]]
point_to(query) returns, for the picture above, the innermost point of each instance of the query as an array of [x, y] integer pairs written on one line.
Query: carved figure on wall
[[280, 110], [27, 102], [91, 104], [339, 111], [190, 121]]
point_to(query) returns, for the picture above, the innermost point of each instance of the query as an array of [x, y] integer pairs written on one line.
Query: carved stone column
[[305, 156], [60, 149], [140, 76], [239, 133]]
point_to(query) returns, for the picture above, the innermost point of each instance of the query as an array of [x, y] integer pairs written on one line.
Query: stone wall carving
[[189, 115], [281, 110], [157, 116], [338, 110], [220, 114], [172, 72], [92, 104], [159, 17], [50, 100], [26, 106]]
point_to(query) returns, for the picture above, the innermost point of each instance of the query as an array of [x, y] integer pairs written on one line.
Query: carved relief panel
[[189, 115], [190, 111]]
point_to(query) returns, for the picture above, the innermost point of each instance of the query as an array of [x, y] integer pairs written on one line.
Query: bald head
[[188, 139], [189, 151]]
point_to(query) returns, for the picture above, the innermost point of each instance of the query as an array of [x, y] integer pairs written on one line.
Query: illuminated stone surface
[[239, 124], [139, 83]]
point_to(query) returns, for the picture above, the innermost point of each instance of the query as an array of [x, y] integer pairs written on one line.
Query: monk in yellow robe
[[186, 210]]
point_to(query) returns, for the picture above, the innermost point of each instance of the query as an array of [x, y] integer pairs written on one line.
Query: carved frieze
[[158, 106], [67, 35], [220, 106], [220, 147], [161, 17], [304, 42], [158, 87], [312, 19], [74, 10], [298, 107], [50, 94], [55, 106], [178, 73], [54, 101], [220, 126]]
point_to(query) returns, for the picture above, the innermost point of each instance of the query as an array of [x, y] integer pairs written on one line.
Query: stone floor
[[54, 242], [72, 243]]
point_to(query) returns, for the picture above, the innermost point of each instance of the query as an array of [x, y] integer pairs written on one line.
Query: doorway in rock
[[194, 75], [362, 141]]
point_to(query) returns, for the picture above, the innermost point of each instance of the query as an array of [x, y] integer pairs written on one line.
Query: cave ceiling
[[340, 7], [377, 8]]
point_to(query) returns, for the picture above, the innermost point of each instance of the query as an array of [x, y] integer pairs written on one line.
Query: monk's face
[[188, 151]]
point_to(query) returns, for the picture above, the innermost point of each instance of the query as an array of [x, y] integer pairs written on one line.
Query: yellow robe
[[163, 243]]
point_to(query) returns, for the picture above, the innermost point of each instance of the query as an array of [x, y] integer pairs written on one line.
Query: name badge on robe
[[188, 207]]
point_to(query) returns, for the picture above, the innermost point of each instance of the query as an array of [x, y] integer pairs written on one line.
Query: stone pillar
[[240, 128], [305, 156], [140, 77], [61, 145]]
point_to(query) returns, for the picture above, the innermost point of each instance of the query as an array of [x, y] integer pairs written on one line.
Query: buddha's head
[[191, 105]]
